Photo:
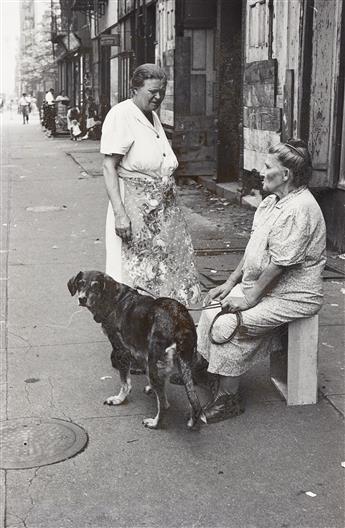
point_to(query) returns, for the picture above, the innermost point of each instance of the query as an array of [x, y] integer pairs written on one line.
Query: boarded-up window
[[257, 30], [165, 27], [257, 23]]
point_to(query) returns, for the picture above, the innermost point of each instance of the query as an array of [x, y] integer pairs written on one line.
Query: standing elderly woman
[[278, 279], [147, 242]]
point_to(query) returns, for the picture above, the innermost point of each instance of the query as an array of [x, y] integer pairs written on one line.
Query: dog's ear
[[73, 283]]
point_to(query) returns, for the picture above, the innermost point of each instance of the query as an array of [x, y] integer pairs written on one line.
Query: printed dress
[[160, 256], [290, 233]]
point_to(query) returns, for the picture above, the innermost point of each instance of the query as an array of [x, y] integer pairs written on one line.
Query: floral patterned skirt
[[160, 256]]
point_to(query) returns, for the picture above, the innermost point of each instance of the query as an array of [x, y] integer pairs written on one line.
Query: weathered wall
[[286, 50], [261, 117], [325, 61], [165, 53], [270, 93], [110, 16]]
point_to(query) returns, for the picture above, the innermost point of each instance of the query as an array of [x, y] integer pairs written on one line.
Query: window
[[257, 24]]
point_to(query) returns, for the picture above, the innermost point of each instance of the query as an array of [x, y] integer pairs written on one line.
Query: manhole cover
[[32, 442]]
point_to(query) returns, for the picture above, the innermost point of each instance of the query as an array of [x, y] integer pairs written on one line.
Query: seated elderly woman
[[278, 279]]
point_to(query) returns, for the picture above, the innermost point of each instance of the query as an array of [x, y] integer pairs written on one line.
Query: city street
[[272, 467]]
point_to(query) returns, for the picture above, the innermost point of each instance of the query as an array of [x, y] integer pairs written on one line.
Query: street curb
[[230, 191]]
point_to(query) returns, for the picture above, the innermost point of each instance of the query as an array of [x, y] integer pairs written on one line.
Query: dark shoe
[[223, 407]]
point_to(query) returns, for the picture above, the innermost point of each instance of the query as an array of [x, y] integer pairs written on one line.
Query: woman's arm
[[253, 295], [222, 291], [264, 283], [111, 178], [236, 276]]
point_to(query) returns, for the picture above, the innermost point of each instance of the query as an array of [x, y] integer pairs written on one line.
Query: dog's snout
[[82, 301]]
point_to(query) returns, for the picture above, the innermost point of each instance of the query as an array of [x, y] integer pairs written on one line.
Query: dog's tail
[[198, 414]]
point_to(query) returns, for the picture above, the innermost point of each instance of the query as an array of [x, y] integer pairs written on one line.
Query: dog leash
[[202, 308], [239, 321]]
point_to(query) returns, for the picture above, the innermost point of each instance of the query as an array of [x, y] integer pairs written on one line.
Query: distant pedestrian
[[24, 106], [90, 113], [33, 103], [50, 113], [29, 99]]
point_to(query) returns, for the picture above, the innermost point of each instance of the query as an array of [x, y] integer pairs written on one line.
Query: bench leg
[[295, 376]]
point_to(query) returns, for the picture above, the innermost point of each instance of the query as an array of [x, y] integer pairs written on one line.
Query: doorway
[[229, 49]]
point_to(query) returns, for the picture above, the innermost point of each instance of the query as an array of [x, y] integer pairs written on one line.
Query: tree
[[37, 60]]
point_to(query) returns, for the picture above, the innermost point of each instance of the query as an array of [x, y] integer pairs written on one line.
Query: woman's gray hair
[[295, 156], [147, 71]]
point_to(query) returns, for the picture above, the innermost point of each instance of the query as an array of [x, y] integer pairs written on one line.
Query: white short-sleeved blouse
[[145, 147]]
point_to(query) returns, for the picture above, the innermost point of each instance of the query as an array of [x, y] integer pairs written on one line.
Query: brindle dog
[[156, 332]]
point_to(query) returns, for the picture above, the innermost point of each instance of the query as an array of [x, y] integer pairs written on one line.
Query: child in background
[[73, 126]]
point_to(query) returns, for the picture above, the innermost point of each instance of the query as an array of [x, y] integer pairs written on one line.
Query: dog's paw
[[114, 400], [194, 424], [151, 423]]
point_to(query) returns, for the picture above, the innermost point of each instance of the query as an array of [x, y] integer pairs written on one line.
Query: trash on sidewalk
[[213, 271], [343, 464], [327, 345], [105, 377], [342, 256], [45, 208], [310, 494]]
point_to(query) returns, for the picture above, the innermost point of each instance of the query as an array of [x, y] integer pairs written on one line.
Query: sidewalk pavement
[[250, 472]]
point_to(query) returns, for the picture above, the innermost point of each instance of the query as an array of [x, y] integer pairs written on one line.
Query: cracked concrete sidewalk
[[251, 472]]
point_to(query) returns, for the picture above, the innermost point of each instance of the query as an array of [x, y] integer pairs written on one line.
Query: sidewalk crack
[[52, 404]]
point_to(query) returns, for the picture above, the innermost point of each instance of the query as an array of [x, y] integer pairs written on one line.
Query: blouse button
[[164, 154], [157, 136]]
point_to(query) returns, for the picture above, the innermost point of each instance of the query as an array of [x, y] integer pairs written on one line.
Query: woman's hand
[[218, 293], [123, 227], [235, 304]]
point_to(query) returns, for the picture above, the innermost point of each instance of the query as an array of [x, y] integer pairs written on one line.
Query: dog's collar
[[120, 301]]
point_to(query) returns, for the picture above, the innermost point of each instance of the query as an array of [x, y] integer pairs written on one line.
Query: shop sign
[[110, 40]]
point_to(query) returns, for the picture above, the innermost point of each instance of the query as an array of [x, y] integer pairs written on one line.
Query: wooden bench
[[294, 372]]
